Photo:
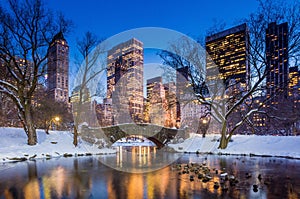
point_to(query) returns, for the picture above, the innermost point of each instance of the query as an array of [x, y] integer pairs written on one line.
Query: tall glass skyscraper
[[228, 55], [277, 59], [125, 64]]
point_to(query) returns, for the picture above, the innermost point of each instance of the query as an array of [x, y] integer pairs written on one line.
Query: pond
[[91, 177]]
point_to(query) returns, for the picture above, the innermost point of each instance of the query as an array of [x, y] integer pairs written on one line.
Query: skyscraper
[[189, 109], [228, 61], [294, 84], [277, 59], [125, 63], [228, 51], [293, 80], [160, 107], [58, 69], [104, 113], [156, 102], [171, 104]]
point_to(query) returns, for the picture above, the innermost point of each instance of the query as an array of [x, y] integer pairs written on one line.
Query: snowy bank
[[13, 144], [287, 146]]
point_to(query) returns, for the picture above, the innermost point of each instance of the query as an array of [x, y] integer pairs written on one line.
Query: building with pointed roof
[[58, 69]]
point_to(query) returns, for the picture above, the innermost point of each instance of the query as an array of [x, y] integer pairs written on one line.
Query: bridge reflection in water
[[137, 154], [140, 156]]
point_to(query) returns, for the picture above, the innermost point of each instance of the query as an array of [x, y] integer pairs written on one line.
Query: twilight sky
[[106, 18]]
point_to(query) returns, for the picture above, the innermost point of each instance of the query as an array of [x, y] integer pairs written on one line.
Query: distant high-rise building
[[277, 59], [228, 51], [104, 113], [294, 84], [160, 107], [259, 119], [58, 69], [82, 107], [189, 109], [293, 79], [153, 86], [156, 102], [182, 82], [10, 118], [125, 63], [171, 106], [228, 61]]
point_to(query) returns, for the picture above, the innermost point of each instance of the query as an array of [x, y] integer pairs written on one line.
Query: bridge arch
[[157, 134]]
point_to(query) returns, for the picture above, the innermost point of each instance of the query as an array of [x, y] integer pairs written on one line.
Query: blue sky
[[110, 17], [106, 18]]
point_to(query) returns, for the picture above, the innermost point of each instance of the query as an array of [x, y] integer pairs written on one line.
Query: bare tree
[[26, 30], [223, 105], [217, 26], [8, 112], [90, 67], [48, 112], [279, 12], [282, 117]]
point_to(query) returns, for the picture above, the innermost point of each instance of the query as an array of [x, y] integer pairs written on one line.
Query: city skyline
[[145, 99], [228, 45], [195, 25], [232, 51], [193, 19]]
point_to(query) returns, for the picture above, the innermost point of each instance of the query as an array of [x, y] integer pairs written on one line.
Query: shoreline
[[67, 155], [13, 146]]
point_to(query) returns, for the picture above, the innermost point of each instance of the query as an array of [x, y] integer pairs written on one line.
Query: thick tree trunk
[[31, 132], [75, 138], [47, 127], [224, 140], [32, 139]]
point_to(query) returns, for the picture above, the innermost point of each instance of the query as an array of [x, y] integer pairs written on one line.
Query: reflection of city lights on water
[[41, 187], [58, 178], [83, 177], [120, 156], [137, 156]]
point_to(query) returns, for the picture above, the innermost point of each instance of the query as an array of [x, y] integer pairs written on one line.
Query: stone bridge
[[159, 135]]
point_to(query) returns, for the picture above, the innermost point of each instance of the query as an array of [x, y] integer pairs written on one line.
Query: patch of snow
[[13, 144], [242, 144]]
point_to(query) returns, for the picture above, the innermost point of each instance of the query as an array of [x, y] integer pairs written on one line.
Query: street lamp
[[204, 126], [56, 119]]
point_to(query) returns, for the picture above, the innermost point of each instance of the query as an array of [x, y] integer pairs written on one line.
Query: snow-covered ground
[[288, 146], [13, 144]]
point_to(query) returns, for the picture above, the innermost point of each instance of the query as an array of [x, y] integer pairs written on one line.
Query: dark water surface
[[87, 177]]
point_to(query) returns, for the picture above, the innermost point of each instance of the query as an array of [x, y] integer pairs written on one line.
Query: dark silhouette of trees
[[185, 53], [48, 113], [89, 67], [26, 30]]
